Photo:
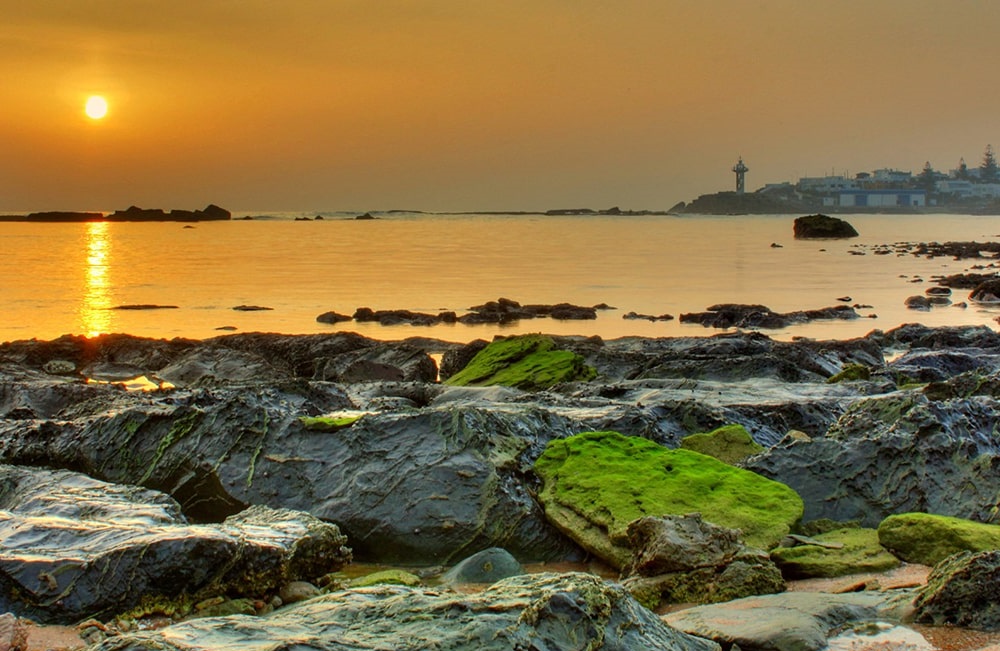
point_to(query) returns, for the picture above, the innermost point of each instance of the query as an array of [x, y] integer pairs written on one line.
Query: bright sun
[[96, 107]]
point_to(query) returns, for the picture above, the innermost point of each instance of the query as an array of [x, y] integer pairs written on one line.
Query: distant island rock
[[211, 212], [822, 227]]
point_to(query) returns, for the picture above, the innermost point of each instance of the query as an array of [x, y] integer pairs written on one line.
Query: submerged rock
[[540, 611]]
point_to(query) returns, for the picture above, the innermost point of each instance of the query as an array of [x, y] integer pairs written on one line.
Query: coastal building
[[892, 198], [826, 184]]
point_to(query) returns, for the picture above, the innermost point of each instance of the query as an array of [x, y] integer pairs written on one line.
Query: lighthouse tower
[[741, 169]]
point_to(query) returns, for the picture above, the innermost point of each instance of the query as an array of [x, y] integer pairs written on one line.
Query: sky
[[465, 105]]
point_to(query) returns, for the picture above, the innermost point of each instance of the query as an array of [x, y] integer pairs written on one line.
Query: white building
[[882, 198], [826, 184]]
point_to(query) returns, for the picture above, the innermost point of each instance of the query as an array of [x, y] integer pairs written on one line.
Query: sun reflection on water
[[95, 314]]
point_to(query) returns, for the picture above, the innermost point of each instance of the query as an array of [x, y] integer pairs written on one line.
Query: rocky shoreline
[[260, 465]]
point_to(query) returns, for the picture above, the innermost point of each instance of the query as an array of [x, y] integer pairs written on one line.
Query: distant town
[[965, 189]]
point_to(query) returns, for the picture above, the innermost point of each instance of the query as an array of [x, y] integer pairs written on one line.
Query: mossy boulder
[[596, 483], [729, 444], [851, 372], [928, 539], [860, 552], [386, 577], [526, 362]]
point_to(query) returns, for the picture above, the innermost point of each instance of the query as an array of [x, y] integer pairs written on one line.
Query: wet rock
[[487, 566], [74, 547], [683, 559], [962, 590], [987, 292], [296, 591], [917, 303], [795, 621], [333, 317], [647, 317], [526, 362], [540, 611], [822, 227]]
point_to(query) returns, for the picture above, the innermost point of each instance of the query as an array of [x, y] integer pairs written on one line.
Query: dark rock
[[539, 611], [252, 308], [144, 306], [731, 315], [456, 359], [822, 227], [332, 317], [75, 547], [962, 590], [487, 566], [917, 303], [648, 317], [986, 292]]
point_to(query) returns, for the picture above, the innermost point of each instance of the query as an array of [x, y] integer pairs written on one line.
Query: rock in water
[[538, 611], [487, 566], [962, 590], [817, 227]]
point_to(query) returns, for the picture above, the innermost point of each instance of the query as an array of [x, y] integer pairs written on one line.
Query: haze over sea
[[64, 278]]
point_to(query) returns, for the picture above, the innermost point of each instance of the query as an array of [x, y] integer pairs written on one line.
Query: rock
[[987, 292], [454, 360], [891, 454], [487, 566], [540, 611], [683, 559], [962, 590], [394, 317], [648, 317], [381, 362], [252, 308], [730, 315], [332, 317], [851, 372], [859, 552], [143, 306], [794, 621], [729, 444], [526, 362], [74, 547], [928, 539], [822, 227], [296, 591], [594, 484], [386, 577], [918, 303]]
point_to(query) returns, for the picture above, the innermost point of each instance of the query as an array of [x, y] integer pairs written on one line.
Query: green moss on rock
[[851, 372], [327, 423], [861, 552], [595, 483], [928, 539], [386, 577], [729, 444], [525, 362]]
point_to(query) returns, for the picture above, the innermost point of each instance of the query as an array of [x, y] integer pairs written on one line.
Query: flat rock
[[540, 611]]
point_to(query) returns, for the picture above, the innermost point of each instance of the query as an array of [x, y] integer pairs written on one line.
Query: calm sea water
[[63, 278]]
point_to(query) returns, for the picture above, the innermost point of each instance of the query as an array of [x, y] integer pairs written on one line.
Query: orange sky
[[479, 105]]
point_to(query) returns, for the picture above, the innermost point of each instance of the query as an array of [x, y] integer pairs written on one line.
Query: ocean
[[65, 278]]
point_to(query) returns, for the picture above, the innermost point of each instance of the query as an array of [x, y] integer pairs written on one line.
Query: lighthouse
[[741, 169]]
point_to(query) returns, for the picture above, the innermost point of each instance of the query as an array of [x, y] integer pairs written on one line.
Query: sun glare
[[96, 107]]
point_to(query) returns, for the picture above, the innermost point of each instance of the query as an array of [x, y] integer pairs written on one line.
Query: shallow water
[[65, 278]]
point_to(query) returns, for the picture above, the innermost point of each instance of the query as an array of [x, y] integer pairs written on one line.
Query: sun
[[96, 107]]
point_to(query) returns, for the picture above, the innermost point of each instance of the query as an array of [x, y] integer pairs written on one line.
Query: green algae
[[180, 428], [729, 444], [595, 483], [850, 373], [386, 577], [525, 362], [928, 539], [861, 552], [327, 423]]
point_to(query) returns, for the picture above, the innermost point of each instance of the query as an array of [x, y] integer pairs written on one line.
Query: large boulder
[[540, 611], [72, 547], [896, 453], [594, 484], [927, 539], [822, 227], [411, 485], [683, 559], [962, 590]]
